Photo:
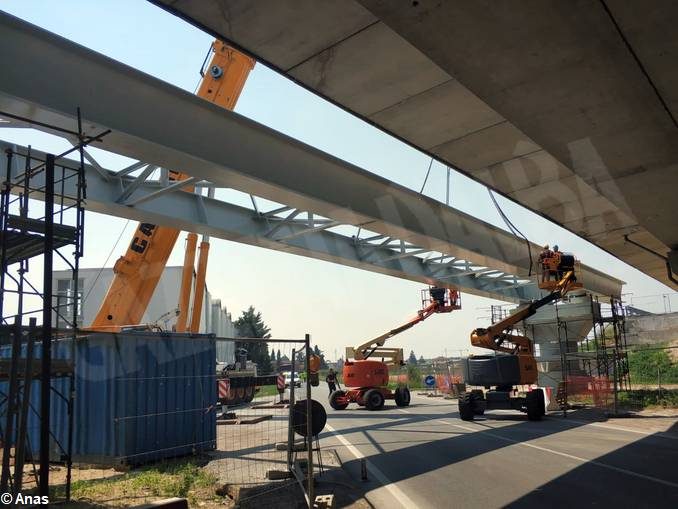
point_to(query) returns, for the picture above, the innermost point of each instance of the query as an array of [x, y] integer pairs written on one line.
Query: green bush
[[642, 398], [649, 366]]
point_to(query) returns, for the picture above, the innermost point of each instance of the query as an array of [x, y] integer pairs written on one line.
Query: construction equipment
[[515, 365], [367, 379], [138, 271]]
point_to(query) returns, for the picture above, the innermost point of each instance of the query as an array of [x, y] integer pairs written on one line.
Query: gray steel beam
[[192, 212], [136, 183], [149, 120]]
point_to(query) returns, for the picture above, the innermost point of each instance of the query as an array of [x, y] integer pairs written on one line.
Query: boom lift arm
[[495, 336], [137, 272], [441, 301]]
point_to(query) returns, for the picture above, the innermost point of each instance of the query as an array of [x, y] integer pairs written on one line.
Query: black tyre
[[542, 402], [335, 401], [249, 393], [402, 396], [374, 399], [534, 401], [465, 406], [478, 402]]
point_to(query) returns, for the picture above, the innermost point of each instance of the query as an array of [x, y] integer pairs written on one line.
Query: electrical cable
[[107, 258], [427, 174], [512, 228], [639, 63]]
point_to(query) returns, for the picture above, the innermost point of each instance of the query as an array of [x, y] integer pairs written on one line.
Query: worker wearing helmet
[[545, 259], [331, 380], [555, 268]]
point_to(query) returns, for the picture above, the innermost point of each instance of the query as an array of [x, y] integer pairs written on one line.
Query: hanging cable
[[104, 265], [512, 228], [426, 178]]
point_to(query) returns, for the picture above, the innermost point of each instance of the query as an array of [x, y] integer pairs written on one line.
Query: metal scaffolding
[[599, 359], [41, 220]]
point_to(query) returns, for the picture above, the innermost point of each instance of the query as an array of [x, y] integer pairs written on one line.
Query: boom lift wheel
[[402, 396], [466, 406], [534, 401], [477, 402], [374, 399], [338, 400]]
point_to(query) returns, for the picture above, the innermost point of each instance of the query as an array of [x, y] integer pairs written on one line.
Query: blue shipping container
[[139, 397]]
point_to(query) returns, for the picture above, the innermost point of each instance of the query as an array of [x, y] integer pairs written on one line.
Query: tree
[[412, 359], [421, 360], [317, 351], [251, 325], [414, 377]]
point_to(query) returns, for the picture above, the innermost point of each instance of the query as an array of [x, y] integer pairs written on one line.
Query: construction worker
[[438, 295], [545, 261], [331, 380], [454, 297], [555, 268]]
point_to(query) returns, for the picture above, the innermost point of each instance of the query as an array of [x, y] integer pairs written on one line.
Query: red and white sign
[[280, 382], [224, 388]]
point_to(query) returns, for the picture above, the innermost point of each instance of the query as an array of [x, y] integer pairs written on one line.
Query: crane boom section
[[137, 272]]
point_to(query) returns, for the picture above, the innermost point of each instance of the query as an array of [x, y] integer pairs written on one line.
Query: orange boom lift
[[517, 366], [366, 378]]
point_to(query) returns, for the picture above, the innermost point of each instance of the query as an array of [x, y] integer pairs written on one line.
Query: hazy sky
[[337, 305]]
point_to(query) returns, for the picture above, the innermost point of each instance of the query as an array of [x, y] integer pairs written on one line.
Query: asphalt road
[[425, 456]]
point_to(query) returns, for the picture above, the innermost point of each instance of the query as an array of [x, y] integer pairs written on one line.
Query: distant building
[[94, 283]]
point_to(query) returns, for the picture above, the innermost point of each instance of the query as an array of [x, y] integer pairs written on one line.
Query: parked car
[[288, 379]]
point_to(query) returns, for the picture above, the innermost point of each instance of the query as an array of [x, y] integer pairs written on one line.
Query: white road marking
[[621, 428], [589, 423], [565, 455], [395, 491]]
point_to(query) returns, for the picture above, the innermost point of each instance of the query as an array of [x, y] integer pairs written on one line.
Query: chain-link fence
[[651, 372], [157, 415], [438, 377], [651, 304]]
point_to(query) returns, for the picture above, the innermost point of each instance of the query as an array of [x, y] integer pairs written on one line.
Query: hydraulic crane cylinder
[[186, 281], [199, 292]]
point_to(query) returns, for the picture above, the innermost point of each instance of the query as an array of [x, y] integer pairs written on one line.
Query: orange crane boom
[[138, 271]]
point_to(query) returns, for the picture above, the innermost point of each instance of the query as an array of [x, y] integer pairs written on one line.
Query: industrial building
[[162, 309]]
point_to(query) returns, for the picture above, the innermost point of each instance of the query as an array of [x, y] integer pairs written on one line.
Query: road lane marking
[[566, 455], [621, 428], [395, 491]]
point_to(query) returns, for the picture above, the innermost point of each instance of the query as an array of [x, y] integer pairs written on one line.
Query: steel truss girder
[[171, 128], [192, 212]]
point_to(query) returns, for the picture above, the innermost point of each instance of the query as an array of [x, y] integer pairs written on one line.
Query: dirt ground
[[233, 475]]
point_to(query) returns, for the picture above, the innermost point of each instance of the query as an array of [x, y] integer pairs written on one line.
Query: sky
[[339, 306]]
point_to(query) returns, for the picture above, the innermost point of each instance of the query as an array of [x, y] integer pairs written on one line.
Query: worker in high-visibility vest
[[545, 260]]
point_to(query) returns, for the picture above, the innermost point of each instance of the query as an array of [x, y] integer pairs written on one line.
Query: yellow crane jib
[[137, 272]]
